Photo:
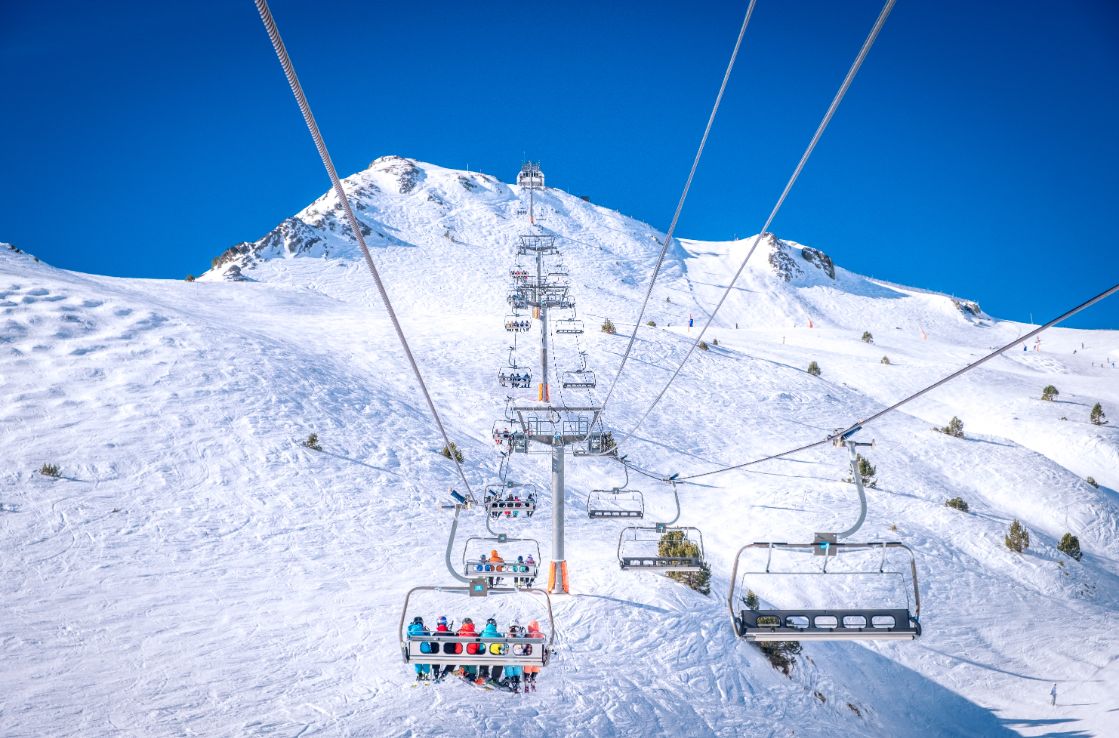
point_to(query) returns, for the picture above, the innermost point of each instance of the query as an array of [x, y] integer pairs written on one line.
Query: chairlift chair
[[523, 575], [578, 379], [500, 501], [569, 326], [515, 323], [615, 503], [638, 549], [445, 649], [828, 624]]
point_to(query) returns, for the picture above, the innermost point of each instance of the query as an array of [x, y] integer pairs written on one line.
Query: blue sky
[[976, 153]]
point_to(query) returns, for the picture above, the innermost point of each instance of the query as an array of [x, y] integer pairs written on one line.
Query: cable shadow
[[988, 667], [359, 463], [631, 603]]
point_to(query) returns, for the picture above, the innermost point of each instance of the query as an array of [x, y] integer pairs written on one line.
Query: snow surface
[[195, 571]]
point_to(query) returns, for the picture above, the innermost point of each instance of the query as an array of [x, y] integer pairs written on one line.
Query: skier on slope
[[1053, 695], [423, 671]]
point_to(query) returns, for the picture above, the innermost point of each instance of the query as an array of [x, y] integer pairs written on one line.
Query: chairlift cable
[[870, 419], [680, 203], [839, 95], [328, 163]]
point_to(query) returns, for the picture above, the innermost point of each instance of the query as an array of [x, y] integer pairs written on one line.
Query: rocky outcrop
[[407, 174], [783, 264], [819, 259]]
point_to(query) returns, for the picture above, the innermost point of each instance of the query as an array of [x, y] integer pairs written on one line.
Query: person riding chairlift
[[423, 671], [473, 649], [532, 671]]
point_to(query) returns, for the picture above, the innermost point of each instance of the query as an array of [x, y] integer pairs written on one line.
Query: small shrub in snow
[[886, 360], [781, 654], [955, 428], [714, 342], [1092, 482], [957, 503], [608, 327], [50, 470], [652, 324], [452, 452], [1049, 393], [703, 346], [1097, 417], [867, 471], [675, 543], [1018, 538], [867, 337], [813, 368], [190, 277], [312, 442], [1070, 545]]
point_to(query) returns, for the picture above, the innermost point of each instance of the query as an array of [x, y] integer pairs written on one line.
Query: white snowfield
[[196, 571]]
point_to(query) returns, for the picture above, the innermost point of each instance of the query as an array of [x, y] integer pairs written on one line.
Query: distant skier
[[423, 671], [691, 322], [1053, 695]]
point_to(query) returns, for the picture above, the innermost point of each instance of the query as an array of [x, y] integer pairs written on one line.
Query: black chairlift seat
[[448, 649], [623, 504], [832, 624], [569, 326], [827, 625], [579, 379], [641, 538]]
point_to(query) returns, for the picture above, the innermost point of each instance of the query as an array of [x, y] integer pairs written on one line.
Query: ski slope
[[196, 571]]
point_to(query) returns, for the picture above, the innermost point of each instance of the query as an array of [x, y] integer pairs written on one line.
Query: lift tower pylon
[[544, 424]]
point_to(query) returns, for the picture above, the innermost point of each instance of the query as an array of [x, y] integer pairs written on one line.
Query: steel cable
[[780, 201], [320, 144]]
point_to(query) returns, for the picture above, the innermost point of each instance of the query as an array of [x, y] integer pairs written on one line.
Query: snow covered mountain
[[195, 570]]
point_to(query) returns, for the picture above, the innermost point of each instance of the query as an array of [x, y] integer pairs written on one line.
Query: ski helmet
[[467, 621], [417, 620], [491, 621], [442, 620]]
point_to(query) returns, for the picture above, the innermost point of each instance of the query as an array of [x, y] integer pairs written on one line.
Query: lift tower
[[545, 425], [531, 178]]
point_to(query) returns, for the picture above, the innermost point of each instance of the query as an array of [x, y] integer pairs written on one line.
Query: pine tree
[[814, 368], [453, 451], [1097, 417], [703, 346], [1070, 545], [312, 442], [955, 428], [1018, 539], [50, 470], [608, 327], [1049, 393], [886, 360], [675, 544], [750, 600], [867, 338], [1092, 481]]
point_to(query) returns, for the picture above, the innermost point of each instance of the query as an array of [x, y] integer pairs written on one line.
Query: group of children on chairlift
[[506, 676], [512, 505], [518, 325], [523, 564]]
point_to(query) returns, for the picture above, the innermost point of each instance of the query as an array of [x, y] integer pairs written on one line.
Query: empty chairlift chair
[[615, 503], [648, 549], [822, 624], [569, 326]]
